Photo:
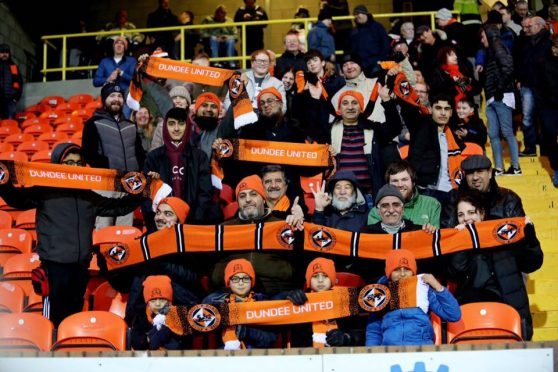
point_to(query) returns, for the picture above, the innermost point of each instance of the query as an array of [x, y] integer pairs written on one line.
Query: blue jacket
[[411, 326], [108, 65], [370, 42], [320, 38]]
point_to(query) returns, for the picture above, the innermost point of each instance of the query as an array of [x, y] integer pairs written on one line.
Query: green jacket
[[420, 209]]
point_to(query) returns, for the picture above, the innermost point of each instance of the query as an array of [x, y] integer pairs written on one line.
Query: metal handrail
[[47, 40]]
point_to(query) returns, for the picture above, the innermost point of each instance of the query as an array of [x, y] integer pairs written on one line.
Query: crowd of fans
[[419, 90]]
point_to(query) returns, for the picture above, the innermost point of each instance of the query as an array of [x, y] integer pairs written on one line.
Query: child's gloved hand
[[297, 297], [159, 321], [337, 337]]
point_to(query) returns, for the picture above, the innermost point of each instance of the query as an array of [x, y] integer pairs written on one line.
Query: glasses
[[243, 279], [262, 61], [79, 163], [268, 102]]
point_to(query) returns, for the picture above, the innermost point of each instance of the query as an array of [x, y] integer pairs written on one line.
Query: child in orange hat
[[407, 320], [240, 278]]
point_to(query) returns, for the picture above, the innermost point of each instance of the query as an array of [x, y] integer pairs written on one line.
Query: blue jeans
[[215, 43], [528, 108], [500, 120]]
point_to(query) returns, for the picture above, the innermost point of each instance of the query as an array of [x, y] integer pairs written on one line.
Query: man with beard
[[112, 141], [419, 209], [206, 121], [170, 211], [275, 271], [183, 167], [340, 204]]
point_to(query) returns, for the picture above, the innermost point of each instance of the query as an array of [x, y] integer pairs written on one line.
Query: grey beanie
[[180, 91], [389, 190]]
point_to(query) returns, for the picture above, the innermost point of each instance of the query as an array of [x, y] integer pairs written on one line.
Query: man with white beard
[[340, 204]]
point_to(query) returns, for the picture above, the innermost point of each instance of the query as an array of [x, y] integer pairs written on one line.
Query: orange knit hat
[[352, 93], [253, 182], [179, 206], [321, 265], [157, 286], [271, 90], [207, 97], [400, 258], [239, 266]]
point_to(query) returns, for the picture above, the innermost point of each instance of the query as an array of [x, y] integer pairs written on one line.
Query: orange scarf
[[461, 82], [283, 204], [454, 158], [175, 320], [229, 336], [319, 331], [408, 293]]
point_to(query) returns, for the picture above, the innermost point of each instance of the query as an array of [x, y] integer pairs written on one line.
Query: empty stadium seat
[[25, 332], [12, 242], [16, 139], [67, 119], [26, 221], [472, 149], [83, 113], [8, 131], [9, 123], [22, 116], [53, 137], [35, 109], [67, 108], [437, 326], [53, 101], [6, 147], [6, 220], [31, 147], [50, 115], [345, 279], [34, 303], [106, 298], [18, 269], [70, 128], [14, 155], [34, 121], [94, 105], [41, 156], [38, 129], [115, 234], [486, 322], [81, 99], [91, 331], [12, 298]]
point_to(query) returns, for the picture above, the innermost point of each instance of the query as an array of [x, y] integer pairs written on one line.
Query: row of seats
[[485, 322]]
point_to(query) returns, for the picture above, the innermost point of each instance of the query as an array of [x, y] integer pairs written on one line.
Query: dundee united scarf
[[408, 293]]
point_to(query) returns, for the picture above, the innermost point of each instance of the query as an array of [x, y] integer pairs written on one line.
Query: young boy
[[407, 322], [240, 277], [469, 127]]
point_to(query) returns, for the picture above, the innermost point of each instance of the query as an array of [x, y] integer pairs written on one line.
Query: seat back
[[70, 128], [53, 101], [12, 298], [26, 220], [20, 266], [16, 139], [81, 99], [41, 156], [437, 326], [115, 234], [472, 149], [345, 279], [38, 129], [486, 322], [67, 119], [52, 137], [227, 194], [31, 147], [51, 116], [12, 242], [8, 131], [25, 332], [67, 108], [106, 298], [14, 155], [9, 123], [6, 220], [24, 115], [91, 331], [6, 147], [34, 121]]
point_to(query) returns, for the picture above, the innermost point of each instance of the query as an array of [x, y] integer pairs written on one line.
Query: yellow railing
[[50, 39]]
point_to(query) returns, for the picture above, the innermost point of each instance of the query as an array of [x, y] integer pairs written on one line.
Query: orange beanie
[[179, 206], [207, 97], [321, 265], [157, 286], [400, 258], [239, 266], [353, 93], [253, 182], [271, 90]]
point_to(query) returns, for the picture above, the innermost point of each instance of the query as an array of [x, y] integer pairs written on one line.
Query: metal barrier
[[48, 40]]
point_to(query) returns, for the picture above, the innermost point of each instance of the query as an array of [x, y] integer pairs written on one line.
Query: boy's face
[[240, 284], [464, 110], [157, 304], [400, 273], [320, 282]]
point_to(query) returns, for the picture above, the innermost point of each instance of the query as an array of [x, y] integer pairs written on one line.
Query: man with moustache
[[112, 141], [205, 121]]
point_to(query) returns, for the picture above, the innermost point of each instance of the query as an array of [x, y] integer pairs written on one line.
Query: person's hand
[[431, 281], [332, 151], [384, 93], [296, 219], [407, 136], [336, 337], [143, 57], [461, 133], [429, 228], [394, 71], [297, 297], [247, 16], [154, 175], [460, 227], [479, 69], [296, 209], [112, 76], [244, 78], [321, 198]]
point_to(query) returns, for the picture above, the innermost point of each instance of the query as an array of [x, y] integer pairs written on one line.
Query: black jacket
[[287, 61], [197, 183], [476, 130], [529, 54], [498, 72]]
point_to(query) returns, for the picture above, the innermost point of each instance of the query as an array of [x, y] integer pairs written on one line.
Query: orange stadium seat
[[229, 211], [94, 105], [50, 115], [437, 326], [34, 303], [6, 147], [106, 298], [472, 149], [37, 129], [35, 109], [486, 322], [77, 136], [52, 137], [16, 139], [34, 121], [92, 331], [6, 220], [12, 298], [8, 131], [81, 99], [26, 221], [31, 147], [53, 101], [41, 156], [115, 234], [17, 270], [83, 113], [67, 108], [9, 123], [22, 116], [25, 332], [12, 242], [14, 155], [345, 279], [227, 194], [70, 128], [67, 119]]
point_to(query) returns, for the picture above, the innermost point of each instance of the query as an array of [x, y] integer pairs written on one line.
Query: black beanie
[[108, 89]]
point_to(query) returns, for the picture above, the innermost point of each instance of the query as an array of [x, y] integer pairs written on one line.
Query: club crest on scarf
[[204, 317], [225, 149], [506, 232], [374, 297], [133, 182], [4, 174], [118, 253], [285, 236], [322, 239], [458, 176], [236, 86]]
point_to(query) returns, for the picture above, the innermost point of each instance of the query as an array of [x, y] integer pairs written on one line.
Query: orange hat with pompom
[[321, 265]]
